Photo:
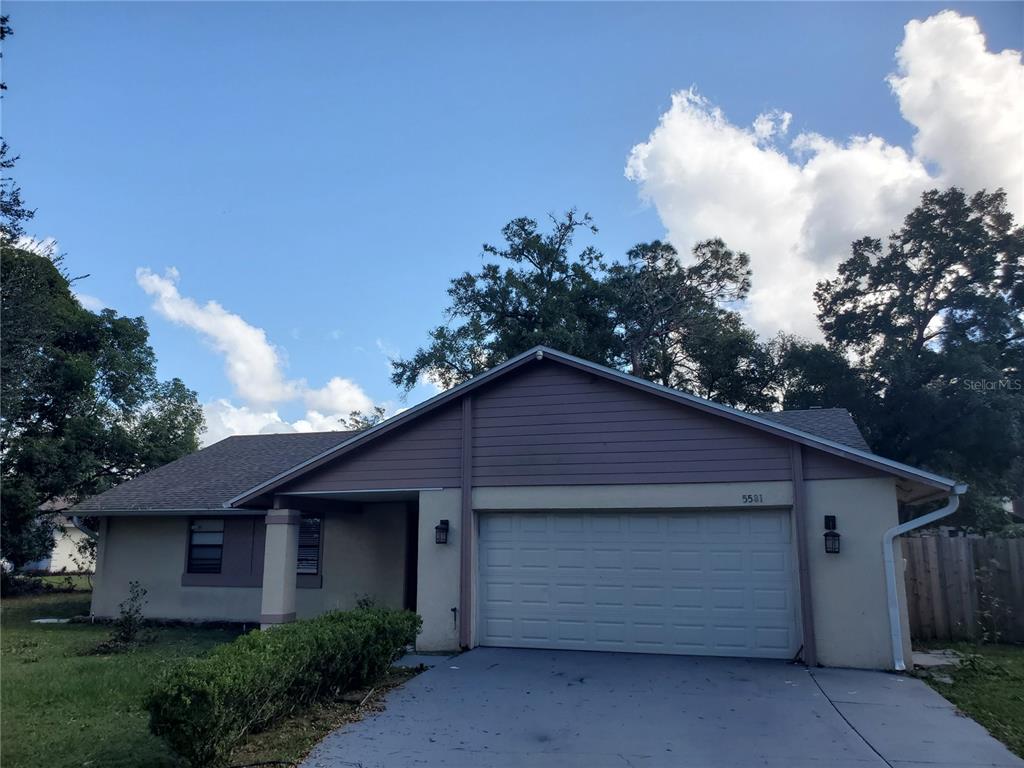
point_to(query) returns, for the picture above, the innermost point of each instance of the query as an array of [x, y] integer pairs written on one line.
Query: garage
[[718, 583]]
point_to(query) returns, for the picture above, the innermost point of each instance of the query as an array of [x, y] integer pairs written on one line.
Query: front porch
[[244, 565], [368, 550], [374, 544]]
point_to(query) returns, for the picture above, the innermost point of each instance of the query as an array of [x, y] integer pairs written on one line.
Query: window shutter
[[206, 546], [309, 546]]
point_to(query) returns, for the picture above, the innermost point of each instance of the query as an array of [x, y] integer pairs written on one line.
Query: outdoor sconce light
[[441, 532], [831, 535]]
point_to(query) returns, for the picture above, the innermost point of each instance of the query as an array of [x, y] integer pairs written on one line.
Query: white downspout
[[891, 587]]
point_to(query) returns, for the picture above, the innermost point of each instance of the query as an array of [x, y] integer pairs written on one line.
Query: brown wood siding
[[550, 424], [553, 425], [819, 465], [425, 454]]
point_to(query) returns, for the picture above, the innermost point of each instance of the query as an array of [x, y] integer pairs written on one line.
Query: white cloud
[[315, 421], [224, 419], [797, 212], [773, 123], [90, 302], [338, 396], [966, 103], [251, 362], [255, 368]]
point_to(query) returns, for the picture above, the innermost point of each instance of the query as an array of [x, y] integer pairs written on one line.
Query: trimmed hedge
[[203, 707]]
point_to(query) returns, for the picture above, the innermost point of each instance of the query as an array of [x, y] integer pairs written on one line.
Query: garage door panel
[[644, 526], [646, 559], [684, 582], [604, 558], [768, 562]]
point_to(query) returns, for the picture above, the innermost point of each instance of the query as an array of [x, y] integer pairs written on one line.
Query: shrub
[[127, 633], [21, 584], [16, 584], [205, 706]]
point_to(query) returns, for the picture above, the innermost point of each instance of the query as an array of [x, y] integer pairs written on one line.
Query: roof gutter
[[889, 555]]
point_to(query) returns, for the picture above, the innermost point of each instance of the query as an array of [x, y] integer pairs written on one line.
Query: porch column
[[280, 564]]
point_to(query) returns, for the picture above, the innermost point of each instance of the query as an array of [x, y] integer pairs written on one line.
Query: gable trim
[[540, 353]]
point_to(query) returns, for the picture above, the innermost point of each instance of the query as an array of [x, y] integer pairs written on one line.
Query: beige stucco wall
[[363, 556], [151, 550], [664, 496], [437, 589], [851, 620]]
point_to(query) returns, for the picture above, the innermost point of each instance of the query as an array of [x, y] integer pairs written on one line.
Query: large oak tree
[[81, 408], [933, 322]]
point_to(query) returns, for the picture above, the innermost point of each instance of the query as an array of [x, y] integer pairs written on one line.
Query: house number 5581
[[753, 498]]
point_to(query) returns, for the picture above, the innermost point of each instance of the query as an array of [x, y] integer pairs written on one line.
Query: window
[[206, 546], [309, 546]]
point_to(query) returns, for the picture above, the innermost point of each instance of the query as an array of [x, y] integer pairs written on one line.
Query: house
[[66, 555], [547, 503]]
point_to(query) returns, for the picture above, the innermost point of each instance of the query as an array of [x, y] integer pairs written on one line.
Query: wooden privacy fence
[[965, 589]]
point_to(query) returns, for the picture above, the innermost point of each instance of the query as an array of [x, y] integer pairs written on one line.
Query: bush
[[20, 584], [205, 706], [128, 626]]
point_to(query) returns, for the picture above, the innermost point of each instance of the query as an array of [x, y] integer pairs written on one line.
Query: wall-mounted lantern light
[[832, 542], [831, 535], [441, 532]]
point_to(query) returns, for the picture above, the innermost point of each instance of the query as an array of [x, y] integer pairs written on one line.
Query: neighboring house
[[1015, 507], [65, 556], [548, 503]]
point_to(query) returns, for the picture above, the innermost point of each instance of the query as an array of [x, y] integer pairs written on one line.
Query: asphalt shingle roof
[[208, 478], [834, 424], [205, 480]]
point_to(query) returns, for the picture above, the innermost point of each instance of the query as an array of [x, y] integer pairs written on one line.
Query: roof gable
[[763, 423], [551, 424]]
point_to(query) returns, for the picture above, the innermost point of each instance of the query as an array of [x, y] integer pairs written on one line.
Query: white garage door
[[715, 583]]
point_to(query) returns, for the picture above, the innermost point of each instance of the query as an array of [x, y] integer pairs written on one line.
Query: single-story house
[[547, 503]]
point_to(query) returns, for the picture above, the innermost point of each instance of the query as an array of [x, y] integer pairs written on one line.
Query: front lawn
[[989, 687], [59, 708]]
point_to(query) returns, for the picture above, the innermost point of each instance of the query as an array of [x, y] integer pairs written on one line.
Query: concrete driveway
[[499, 708]]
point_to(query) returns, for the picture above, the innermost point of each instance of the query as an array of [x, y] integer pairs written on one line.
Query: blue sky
[[322, 170]]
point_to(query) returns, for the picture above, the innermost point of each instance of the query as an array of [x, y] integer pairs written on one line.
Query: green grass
[[989, 687], [59, 708], [77, 581]]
